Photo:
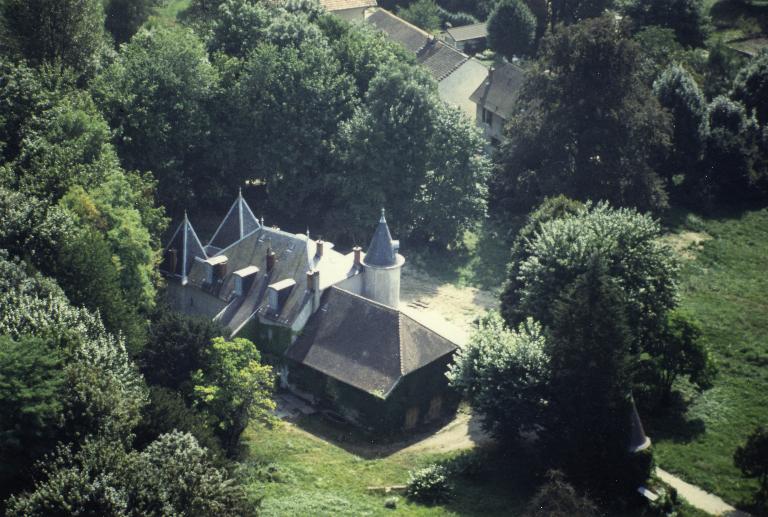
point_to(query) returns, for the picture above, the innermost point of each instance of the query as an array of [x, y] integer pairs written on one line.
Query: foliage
[[31, 413], [557, 498], [167, 411], [678, 92], [177, 347], [573, 11], [751, 87], [67, 33], [125, 17], [239, 27], [235, 388], [660, 50], [155, 96], [564, 248], [589, 407], [585, 125], [752, 459], [512, 29], [430, 484], [422, 13], [404, 139], [104, 394], [504, 374], [679, 351], [685, 17], [732, 171], [173, 475]]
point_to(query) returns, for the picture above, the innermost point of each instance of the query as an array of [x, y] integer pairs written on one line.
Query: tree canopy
[[512, 29]]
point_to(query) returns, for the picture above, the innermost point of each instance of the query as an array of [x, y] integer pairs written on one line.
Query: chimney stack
[[357, 250], [172, 257], [311, 280], [319, 251], [271, 259]]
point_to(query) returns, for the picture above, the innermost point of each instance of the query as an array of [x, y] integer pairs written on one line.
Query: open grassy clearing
[[315, 477], [732, 19], [168, 10], [725, 286]]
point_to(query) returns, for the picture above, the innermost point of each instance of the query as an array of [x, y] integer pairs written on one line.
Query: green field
[[169, 9], [314, 477], [726, 287]]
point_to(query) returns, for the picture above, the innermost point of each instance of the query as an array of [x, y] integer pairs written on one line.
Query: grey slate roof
[[188, 248], [294, 254], [499, 91], [381, 251], [366, 344], [637, 439], [439, 58], [410, 36], [238, 223], [468, 32]]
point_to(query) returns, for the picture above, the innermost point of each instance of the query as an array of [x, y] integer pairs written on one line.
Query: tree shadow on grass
[[672, 423]]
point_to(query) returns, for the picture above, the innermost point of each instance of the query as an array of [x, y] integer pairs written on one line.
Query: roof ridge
[[409, 24], [400, 341], [372, 302]]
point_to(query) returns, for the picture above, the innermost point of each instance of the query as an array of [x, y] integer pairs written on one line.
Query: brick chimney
[[358, 251], [319, 250], [172, 259], [311, 280]]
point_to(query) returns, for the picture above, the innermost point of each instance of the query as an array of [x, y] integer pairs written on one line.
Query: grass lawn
[[315, 477], [168, 10], [726, 287], [733, 20]]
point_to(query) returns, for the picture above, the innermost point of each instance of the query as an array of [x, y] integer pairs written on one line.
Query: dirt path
[[446, 308], [698, 498]]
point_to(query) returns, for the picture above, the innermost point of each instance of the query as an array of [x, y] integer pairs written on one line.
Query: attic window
[[278, 293]]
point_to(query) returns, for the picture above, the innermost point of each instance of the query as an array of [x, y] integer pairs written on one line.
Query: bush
[[430, 484]]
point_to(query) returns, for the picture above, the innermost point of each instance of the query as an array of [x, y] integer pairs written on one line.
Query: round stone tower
[[382, 265]]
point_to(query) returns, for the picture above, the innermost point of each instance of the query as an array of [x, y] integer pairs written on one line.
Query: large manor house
[[330, 321]]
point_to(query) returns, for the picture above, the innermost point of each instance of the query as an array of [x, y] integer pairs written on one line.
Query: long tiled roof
[[341, 5], [499, 91], [468, 32], [439, 58], [366, 344]]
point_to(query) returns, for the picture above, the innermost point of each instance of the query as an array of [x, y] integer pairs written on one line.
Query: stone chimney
[[319, 249], [311, 280], [358, 251], [172, 259]]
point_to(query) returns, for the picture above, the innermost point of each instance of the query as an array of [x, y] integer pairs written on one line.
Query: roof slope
[[187, 246], [468, 32], [499, 91], [294, 256], [238, 223], [341, 5], [366, 344], [439, 58]]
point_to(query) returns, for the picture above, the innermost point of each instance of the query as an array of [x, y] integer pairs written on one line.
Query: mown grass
[[315, 477], [168, 10], [733, 20], [726, 287]]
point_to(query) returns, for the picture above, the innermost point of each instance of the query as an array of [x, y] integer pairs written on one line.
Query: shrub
[[430, 484]]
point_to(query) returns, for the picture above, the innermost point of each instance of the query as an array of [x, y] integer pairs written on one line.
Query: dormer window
[[244, 279], [215, 269], [278, 293]]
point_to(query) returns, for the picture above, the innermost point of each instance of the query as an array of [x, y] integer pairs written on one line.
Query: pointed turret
[[381, 251], [238, 223], [382, 265], [638, 440], [182, 250]]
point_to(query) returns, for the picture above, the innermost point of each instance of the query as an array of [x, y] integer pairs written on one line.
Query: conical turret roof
[[238, 223], [187, 246], [381, 251], [637, 437]]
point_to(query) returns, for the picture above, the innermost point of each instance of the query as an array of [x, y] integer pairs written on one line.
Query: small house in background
[[457, 74], [495, 99], [469, 39], [350, 10], [331, 321]]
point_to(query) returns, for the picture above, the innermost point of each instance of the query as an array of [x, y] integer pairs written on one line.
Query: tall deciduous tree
[[685, 17], [512, 29], [69, 33], [124, 17], [234, 389], [155, 95], [422, 13], [504, 374], [585, 126], [751, 86], [678, 92], [752, 459]]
